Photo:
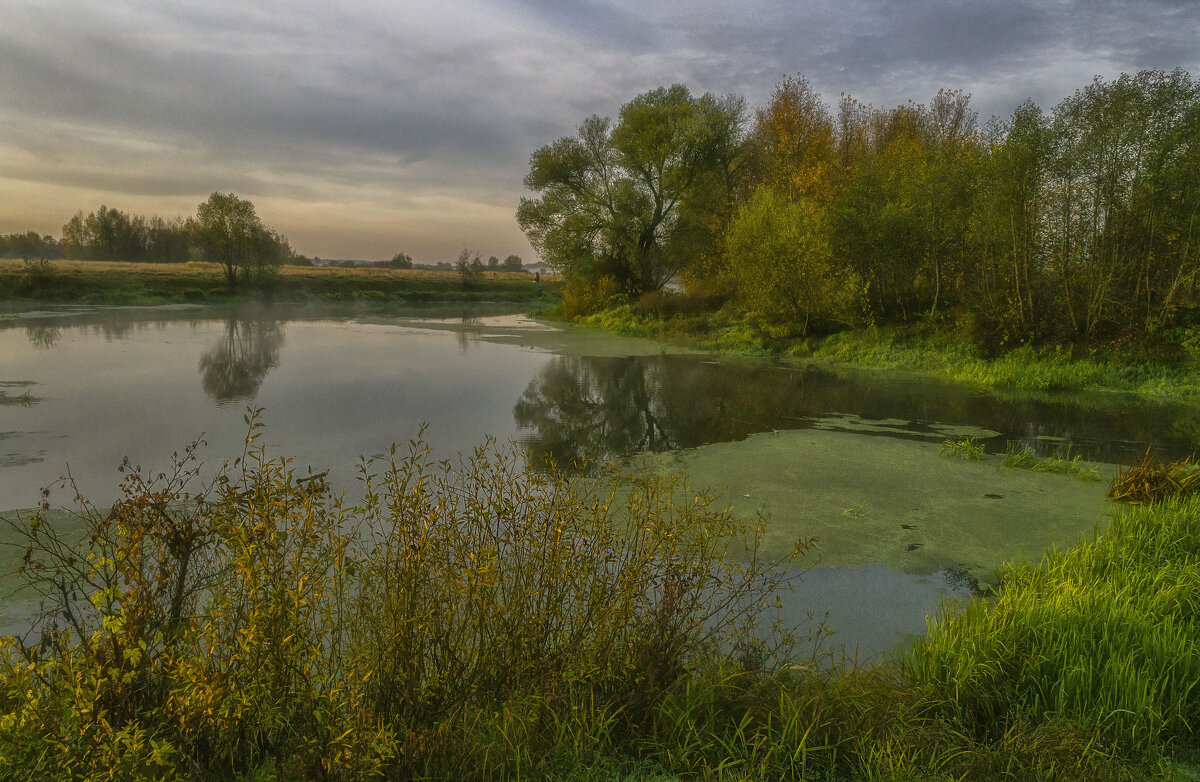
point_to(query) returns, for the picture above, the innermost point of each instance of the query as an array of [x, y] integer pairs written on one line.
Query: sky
[[362, 129]]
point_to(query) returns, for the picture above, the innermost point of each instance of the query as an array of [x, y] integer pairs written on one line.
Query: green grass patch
[[1104, 635], [968, 449], [1049, 370], [1021, 457]]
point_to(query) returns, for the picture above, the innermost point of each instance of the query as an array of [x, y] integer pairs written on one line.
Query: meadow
[[194, 282]]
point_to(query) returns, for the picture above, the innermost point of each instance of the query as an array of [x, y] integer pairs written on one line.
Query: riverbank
[[104, 282], [926, 350]]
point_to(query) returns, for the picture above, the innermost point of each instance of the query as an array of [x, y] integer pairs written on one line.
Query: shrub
[[458, 620], [583, 297], [37, 274]]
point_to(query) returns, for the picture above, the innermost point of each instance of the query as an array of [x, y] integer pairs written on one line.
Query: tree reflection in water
[[233, 369], [43, 337], [594, 409]]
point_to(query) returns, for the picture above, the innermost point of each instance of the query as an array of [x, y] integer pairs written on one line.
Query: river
[[851, 458]]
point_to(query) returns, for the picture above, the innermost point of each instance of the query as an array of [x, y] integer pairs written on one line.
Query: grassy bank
[[928, 350], [102, 282], [477, 621]]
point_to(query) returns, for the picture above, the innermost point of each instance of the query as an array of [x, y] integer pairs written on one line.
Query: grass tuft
[[968, 449], [1021, 457]]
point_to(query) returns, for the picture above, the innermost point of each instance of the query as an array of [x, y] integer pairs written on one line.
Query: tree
[[621, 200], [792, 145], [493, 263], [511, 264], [400, 261], [470, 269], [787, 276], [231, 232]]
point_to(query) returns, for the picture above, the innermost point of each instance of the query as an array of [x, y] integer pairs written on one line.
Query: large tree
[[232, 232], [627, 200]]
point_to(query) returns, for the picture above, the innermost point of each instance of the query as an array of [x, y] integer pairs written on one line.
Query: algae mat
[[869, 499]]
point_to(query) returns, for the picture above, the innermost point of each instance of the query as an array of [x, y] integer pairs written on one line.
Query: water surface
[[850, 457]]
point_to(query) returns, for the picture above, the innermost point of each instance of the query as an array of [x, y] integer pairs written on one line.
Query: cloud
[[323, 109]]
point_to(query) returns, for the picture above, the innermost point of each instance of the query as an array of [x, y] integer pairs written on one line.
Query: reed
[[1148, 480]]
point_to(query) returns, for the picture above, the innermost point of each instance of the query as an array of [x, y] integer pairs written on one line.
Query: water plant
[[968, 449], [1149, 480], [25, 399], [472, 619], [1022, 457]]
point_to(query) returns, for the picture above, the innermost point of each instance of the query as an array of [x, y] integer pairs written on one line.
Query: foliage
[[477, 620], [450, 623], [234, 236], [1148, 480], [968, 449], [400, 261], [583, 297], [30, 244], [470, 270], [628, 200], [37, 274], [782, 265], [512, 263], [1069, 226]]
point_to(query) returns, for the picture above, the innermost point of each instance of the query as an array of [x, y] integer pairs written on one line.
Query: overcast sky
[[361, 129]]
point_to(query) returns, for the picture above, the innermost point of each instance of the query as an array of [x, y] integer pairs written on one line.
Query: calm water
[[82, 390]]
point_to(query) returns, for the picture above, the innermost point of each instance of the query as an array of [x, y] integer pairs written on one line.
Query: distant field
[[105, 282]]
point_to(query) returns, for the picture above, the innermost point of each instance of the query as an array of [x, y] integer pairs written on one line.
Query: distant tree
[[469, 268], [231, 232], [511, 264], [493, 263], [400, 261], [29, 245]]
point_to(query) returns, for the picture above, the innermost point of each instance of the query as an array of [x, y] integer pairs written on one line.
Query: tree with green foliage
[[786, 276], [511, 264], [231, 232], [400, 261], [624, 199]]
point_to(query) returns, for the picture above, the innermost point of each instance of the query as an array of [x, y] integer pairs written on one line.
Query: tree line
[[225, 229], [1075, 224]]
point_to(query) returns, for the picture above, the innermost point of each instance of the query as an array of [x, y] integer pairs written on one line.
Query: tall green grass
[[1042, 370], [1105, 635]]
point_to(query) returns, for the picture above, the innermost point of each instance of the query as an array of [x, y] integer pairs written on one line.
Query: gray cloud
[[387, 108]]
